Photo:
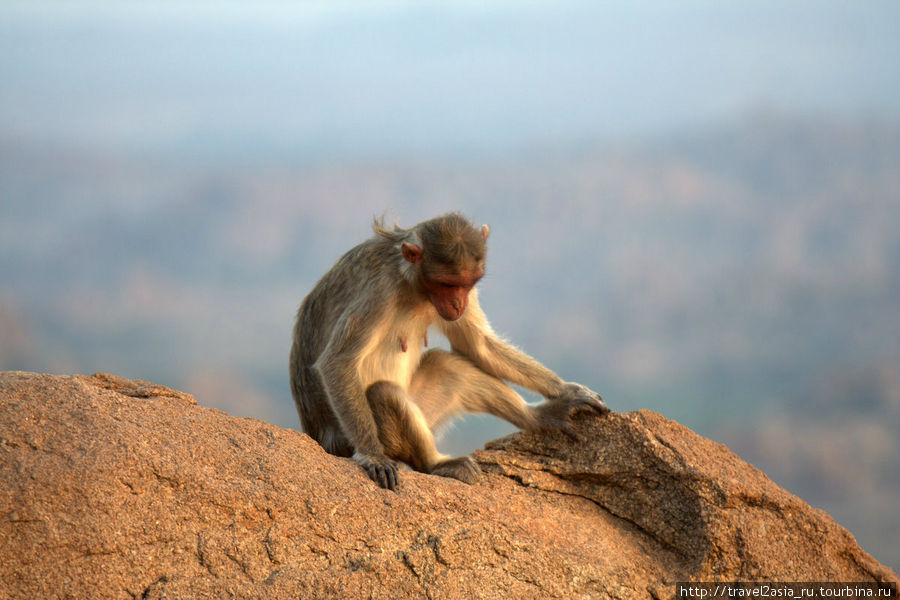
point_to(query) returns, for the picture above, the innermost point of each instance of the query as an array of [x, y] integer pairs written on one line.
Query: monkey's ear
[[485, 231], [411, 253]]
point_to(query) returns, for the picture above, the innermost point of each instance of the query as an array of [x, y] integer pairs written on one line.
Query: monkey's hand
[[379, 467], [557, 412]]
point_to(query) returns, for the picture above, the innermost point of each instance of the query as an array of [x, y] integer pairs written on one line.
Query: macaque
[[364, 386]]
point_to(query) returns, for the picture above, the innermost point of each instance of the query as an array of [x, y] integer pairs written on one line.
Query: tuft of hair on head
[[452, 239], [394, 234]]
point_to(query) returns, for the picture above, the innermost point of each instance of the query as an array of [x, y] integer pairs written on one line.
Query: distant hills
[[742, 279]]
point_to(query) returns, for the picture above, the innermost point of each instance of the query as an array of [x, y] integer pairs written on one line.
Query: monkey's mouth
[[450, 314]]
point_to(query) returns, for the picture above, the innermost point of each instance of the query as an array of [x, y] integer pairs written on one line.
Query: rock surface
[[112, 488]]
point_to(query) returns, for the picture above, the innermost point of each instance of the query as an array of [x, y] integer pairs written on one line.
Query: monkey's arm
[[337, 369], [473, 337]]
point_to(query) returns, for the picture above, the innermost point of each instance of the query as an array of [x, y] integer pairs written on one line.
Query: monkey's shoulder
[[371, 258], [363, 262], [358, 282]]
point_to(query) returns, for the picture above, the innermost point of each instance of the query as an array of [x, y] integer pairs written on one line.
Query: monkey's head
[[449, 261]]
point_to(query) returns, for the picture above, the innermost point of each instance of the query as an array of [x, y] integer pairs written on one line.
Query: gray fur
[[363, 387]]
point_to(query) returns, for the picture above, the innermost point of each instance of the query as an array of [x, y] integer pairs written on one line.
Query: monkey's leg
[[405, 435], [316, 417], [402, 428], [447, 384]]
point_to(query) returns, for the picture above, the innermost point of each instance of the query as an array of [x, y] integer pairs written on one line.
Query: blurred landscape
[[731, 263]]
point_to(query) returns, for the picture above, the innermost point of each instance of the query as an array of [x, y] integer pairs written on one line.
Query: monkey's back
[[351, 289]]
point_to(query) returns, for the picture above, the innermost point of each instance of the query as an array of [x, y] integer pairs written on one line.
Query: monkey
[[364, 386]]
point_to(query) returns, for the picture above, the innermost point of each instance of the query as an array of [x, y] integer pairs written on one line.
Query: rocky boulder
[[112, 488]]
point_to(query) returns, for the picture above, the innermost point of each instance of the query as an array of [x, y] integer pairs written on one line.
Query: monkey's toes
[[464, 469], [385, 475]]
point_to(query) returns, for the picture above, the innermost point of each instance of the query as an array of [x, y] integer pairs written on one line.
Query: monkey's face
[[446, 278], [449, 292]]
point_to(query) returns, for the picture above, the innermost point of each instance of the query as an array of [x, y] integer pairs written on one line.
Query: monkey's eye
[[448, 286]]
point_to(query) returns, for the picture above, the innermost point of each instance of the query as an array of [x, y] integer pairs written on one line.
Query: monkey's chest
[[392, 356]]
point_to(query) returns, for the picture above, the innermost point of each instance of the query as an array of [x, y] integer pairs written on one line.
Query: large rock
[[111, 488]]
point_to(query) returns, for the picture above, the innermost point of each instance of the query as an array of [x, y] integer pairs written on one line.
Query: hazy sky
[[325, 78], [168, 194]]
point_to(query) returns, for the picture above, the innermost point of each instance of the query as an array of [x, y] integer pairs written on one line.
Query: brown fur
[[361, 383]]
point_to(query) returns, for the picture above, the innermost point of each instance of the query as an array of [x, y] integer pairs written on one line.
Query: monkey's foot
[[463, 468], [381, 469]]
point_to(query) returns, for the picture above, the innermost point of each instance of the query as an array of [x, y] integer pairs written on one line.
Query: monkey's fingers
[[566, 428], [599, 406], [592, 402]]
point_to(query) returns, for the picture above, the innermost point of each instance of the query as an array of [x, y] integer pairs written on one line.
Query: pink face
[[447, 288], [449, 293]]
